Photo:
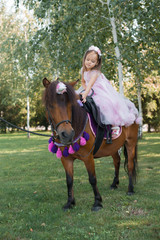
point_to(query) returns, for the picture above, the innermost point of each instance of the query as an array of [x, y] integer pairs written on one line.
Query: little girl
[[114, 108]]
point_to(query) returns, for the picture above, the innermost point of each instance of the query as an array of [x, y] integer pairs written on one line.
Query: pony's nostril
[[64, 134]]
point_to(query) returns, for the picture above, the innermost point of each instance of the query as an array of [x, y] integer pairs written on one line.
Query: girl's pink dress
[[114, 108]]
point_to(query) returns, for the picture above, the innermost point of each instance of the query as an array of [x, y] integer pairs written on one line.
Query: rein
[[14, 126]]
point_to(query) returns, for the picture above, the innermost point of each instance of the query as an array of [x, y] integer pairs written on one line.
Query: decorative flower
[[96, 49], [61, 88]]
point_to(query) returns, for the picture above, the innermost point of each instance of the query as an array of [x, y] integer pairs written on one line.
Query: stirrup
[[109, 136]]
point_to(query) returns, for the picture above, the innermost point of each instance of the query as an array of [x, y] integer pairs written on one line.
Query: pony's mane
[[50, 95], [78, 113]]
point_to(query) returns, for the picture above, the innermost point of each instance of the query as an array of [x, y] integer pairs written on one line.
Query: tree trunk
[[149, 128], [27, 89], [117, 51], [140, 107]]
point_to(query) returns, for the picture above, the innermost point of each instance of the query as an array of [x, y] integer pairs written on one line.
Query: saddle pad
[[93, 127]]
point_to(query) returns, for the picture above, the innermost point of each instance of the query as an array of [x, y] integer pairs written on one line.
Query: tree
[[21, 68], [151, 102], [150, 99], [57, 40], [67, 36], [10, 97]]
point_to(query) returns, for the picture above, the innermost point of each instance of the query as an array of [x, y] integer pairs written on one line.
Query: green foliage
[[67, 36], [39, 117], [150, 99], [33, 190], [69, 27], [22, 69], [52, 43], [151, 102]]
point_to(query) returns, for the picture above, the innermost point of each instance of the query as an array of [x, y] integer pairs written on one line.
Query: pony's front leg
[[89, 163], [68, 166]]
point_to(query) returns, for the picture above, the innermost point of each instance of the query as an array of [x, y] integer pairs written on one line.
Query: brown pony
[[68, 121]]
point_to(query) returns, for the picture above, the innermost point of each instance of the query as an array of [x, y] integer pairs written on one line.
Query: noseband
[[55, 126]]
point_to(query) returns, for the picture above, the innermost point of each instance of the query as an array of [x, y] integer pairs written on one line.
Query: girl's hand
[[84, 95]]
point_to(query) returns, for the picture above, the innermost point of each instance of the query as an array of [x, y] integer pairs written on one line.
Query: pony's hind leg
[[116, 161], [130, 164], [89, 163]]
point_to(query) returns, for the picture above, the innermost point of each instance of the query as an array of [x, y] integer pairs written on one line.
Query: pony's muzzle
[[66, 137]]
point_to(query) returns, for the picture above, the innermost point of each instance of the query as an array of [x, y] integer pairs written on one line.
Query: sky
[[9, 5]]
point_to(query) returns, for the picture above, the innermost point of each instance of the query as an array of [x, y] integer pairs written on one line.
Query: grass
[[33, 191]]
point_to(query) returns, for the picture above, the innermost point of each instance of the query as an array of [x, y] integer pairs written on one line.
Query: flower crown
[[96, 49]]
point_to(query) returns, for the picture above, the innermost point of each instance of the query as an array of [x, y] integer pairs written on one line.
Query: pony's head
[[61, 101]]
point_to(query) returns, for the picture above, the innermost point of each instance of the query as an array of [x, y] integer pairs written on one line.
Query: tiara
[[96, 49]]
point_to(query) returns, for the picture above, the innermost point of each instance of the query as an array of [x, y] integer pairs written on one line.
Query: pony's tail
[[134, 172]]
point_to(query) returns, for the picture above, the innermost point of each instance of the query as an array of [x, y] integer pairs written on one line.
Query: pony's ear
[[46, 83], [74, 83]]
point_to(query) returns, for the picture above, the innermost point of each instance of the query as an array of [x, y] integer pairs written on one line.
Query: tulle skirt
[[114, 108]]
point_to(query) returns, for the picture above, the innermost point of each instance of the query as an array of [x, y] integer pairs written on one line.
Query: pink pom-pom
[[70, 150], [50, 147], [59, 153], [82, 141]]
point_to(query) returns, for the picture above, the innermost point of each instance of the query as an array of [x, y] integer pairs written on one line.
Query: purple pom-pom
[[65, 152], [50, 140], [86, 136], [76, 147], [54, 148]]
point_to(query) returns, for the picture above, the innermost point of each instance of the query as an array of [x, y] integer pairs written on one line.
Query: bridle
[[55, 126]]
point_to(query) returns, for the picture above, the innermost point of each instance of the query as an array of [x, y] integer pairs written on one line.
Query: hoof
[[69, 205], [113, 187], [130, 193], [97, 207], [65, 208], [115, 184]]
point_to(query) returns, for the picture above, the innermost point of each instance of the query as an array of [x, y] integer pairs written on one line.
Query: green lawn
[[33, 191]]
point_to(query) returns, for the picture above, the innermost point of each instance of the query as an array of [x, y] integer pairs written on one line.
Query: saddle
[[102, 129]]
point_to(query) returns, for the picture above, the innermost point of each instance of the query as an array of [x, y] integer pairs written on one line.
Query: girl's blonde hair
[[97, 67]]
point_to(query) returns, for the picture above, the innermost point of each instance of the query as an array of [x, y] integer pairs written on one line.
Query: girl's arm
[[89, 86], [83, 82]]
